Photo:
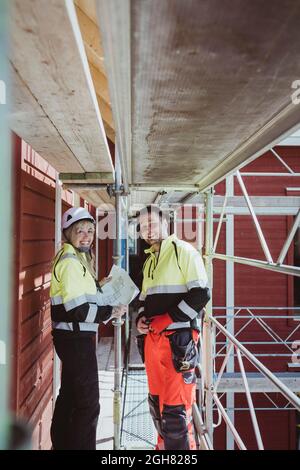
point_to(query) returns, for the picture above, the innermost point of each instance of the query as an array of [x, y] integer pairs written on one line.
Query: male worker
[[174, 291]]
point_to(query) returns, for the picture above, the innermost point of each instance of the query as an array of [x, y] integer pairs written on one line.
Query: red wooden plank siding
[[34, 239], [17, 143], [35, 243], [34, 250]]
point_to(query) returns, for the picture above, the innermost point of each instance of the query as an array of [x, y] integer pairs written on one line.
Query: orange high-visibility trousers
[[171, 394]]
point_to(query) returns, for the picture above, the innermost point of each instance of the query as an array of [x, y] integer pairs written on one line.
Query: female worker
[[75, 318]]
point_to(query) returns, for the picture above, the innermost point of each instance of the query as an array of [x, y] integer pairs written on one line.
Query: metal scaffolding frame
[[208, 393], [209, 385], [117, 257], [280, 386], [262, 321], [229, 297]]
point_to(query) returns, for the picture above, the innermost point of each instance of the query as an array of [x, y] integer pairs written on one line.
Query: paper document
[[120, 290]]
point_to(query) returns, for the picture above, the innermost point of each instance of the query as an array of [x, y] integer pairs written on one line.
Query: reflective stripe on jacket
[[73, 294]]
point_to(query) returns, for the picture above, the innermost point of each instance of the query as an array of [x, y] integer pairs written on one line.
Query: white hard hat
[[74, 214]]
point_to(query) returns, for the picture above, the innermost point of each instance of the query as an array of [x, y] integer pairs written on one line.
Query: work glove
[[160, 323]]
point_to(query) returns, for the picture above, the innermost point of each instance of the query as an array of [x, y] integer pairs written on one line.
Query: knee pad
[[153, 401], [174, 422]]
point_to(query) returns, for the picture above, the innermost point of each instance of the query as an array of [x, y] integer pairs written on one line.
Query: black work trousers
[[77, 406]]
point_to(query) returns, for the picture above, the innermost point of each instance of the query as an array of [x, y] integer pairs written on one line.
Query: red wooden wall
[[34, 250]]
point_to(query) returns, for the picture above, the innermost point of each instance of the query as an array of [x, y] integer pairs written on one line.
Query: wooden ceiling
[[60, 99], [87, 18], [211, 85]]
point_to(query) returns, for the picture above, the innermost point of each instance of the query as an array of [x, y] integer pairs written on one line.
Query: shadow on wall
[[35, 357]]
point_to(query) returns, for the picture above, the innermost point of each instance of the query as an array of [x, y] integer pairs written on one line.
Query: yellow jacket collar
[[164, 244], [68, 248]]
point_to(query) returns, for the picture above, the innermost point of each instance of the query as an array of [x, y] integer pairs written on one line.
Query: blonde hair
[[87, 259]]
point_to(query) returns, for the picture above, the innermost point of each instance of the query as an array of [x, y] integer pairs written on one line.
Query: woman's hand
[[105, 280], [119, 310]]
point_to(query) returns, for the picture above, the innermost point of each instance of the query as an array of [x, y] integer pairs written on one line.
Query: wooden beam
[[109, 132], [48, 53], [84, 186], [91, 36], [106, 112], [99, 198], [101, 87], [91, 177], [92, 41], [89, 8], [100, 83]]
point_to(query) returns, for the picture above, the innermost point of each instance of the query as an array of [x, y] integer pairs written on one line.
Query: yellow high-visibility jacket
[[73, 294], [175, 282]]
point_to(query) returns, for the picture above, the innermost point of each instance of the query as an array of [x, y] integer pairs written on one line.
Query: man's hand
[[119, 310], [142, 326]]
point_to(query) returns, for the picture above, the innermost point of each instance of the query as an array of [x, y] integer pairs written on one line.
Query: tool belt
[[185, 354]]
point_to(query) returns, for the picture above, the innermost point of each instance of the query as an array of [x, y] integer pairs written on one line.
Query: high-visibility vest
[[173, 282], [73, 294]]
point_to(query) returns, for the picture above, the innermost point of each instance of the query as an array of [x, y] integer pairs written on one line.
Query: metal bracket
[[112, 191]]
